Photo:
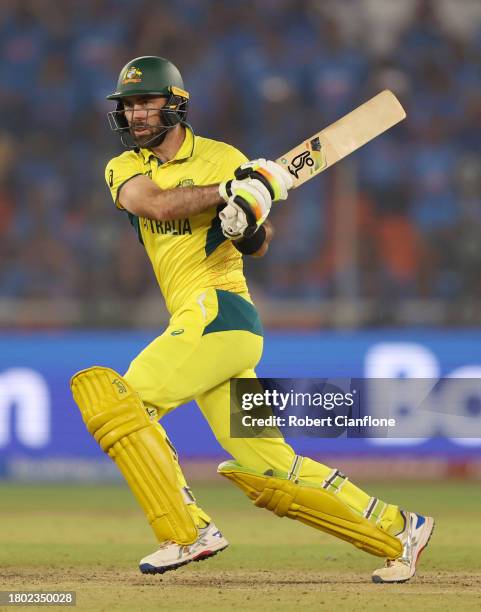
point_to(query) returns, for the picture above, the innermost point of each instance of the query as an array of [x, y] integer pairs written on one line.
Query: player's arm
[[256, 245], [142, 197], [252, 192]]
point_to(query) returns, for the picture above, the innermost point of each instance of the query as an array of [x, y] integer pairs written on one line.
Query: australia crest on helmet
[[132, 75]]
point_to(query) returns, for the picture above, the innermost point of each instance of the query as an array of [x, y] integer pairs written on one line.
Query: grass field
[[90, 538]]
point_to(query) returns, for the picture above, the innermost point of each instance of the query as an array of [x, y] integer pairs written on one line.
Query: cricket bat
[[342, 137]]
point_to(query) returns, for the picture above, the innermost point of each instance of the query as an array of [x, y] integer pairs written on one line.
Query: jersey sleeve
[[230, 161], [119, 170]]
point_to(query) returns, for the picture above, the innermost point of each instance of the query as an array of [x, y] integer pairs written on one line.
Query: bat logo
[[299, 161]]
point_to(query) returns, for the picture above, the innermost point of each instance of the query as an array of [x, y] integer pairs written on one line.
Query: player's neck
[[167, 149]]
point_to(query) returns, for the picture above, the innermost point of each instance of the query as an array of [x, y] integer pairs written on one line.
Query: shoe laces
[[391, 562], [405, 558], [407, 539], [409, 542]]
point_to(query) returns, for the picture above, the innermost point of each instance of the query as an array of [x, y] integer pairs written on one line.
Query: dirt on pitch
[[89, 539], [111, 589]]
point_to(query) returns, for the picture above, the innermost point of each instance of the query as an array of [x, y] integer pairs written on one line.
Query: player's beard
[[154, 137]]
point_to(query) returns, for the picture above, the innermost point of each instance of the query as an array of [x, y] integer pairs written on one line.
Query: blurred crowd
[[399, 220]]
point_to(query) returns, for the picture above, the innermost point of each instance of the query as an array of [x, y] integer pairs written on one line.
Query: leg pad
[[115, 416], [313, 506]]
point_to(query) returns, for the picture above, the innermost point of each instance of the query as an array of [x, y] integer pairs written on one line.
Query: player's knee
[[152, 388]]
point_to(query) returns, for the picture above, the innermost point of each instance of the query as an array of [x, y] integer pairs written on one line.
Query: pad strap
[[334, 481], [295, 470]]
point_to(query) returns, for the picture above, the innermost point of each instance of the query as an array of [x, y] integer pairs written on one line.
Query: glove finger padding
[[254, 199], [250, 197], [275, 178], [233, 221]]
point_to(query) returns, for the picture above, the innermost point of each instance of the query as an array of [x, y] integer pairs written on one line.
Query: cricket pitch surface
[[89, 539]]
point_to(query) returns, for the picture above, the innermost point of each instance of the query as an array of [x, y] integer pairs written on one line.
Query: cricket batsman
[[197, 206]]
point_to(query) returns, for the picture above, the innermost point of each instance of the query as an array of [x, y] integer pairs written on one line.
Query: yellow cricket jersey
[[188, 255]]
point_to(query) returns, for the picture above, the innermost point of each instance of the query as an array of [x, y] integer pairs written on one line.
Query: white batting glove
[[248, 204], [233, 222], [274, 177]]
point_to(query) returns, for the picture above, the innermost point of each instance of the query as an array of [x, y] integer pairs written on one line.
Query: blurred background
[[390, 236], [375, 265]]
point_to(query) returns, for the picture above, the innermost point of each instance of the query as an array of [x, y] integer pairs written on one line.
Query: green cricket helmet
[[149, 76]]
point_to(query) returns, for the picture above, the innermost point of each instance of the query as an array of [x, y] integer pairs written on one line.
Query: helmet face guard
[[174, 112], [155, 77]]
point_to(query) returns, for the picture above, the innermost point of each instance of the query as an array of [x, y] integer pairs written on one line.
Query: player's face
[[143, 116]]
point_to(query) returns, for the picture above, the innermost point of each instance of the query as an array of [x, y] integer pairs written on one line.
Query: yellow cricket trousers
[[214, 337]]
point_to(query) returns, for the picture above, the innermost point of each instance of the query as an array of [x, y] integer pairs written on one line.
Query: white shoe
[[170, 555], [414, 538]]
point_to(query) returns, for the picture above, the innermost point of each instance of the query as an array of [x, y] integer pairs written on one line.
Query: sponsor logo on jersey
[[177, 332]]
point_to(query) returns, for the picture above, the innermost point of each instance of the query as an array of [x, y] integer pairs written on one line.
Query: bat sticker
[[299, 162], [342, 137]]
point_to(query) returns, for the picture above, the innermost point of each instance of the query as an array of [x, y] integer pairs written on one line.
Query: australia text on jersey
[[179, 227]]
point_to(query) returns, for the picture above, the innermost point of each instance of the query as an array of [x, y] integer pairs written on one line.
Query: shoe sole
[[379, 580], [146, 568]]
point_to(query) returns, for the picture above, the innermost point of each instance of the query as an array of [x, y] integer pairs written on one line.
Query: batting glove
[[248, 204], [275, 178]]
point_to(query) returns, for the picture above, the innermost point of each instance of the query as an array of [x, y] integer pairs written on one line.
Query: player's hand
[[248, 204], [233, 222], [274, 177]]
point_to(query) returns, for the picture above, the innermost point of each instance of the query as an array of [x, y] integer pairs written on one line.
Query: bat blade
[[342, 137]]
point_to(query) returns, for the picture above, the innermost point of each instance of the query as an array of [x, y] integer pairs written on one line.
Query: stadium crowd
[[262, 76]]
